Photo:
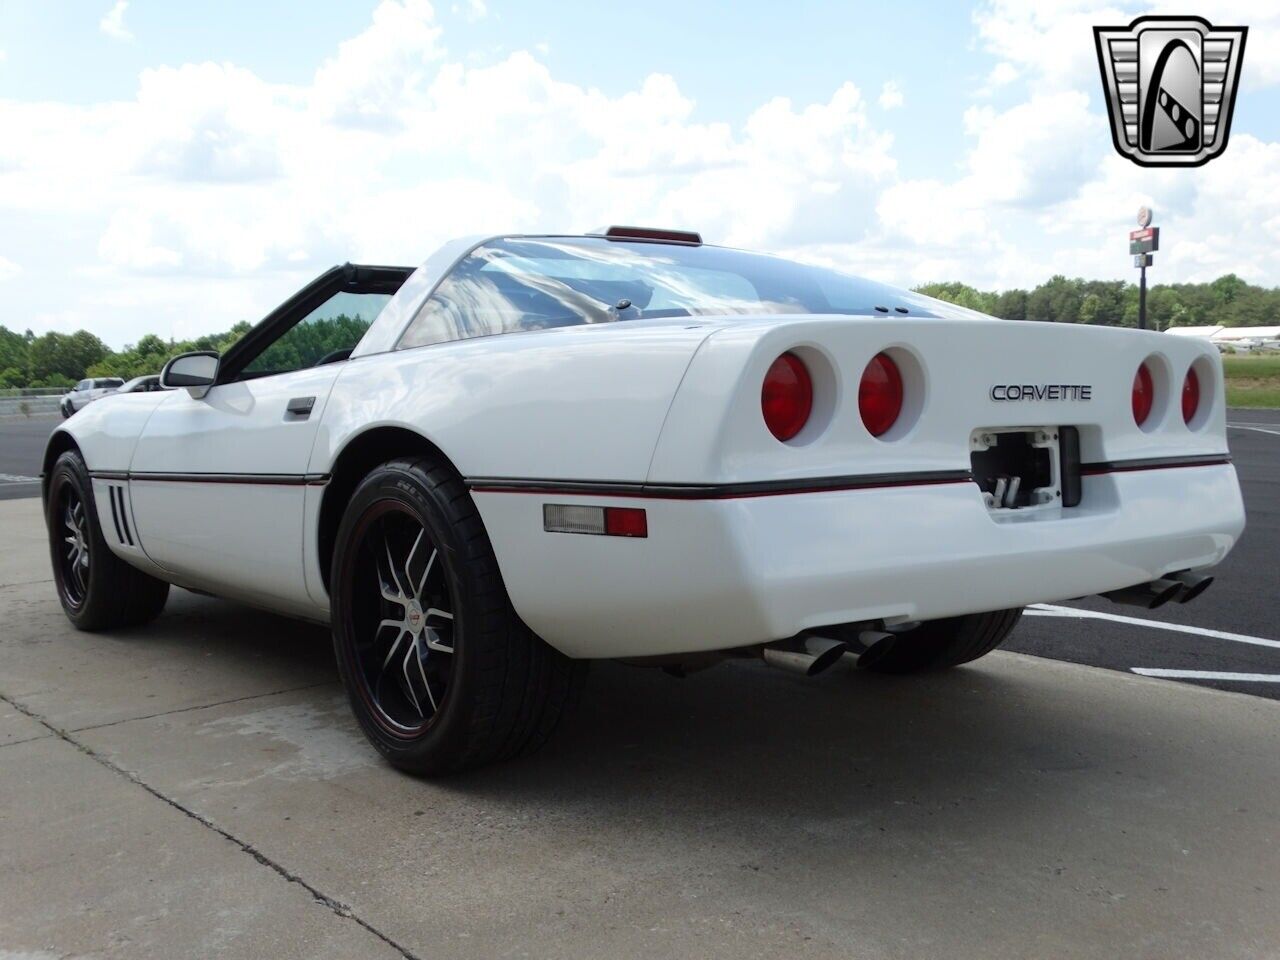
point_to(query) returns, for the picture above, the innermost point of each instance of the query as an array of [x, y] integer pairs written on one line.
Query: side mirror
[[195, 371]]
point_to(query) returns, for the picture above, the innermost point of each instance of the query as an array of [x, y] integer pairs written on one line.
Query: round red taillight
[[1144, 395], [1190, 395], [786, 399], [880, 394]]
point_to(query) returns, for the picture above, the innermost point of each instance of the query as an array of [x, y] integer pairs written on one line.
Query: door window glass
[[326, 335]]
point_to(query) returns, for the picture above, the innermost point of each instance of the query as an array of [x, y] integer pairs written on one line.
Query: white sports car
[[532, 451]]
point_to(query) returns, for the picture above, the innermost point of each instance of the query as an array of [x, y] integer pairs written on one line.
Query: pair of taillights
[[786, 397], [1144, 394]]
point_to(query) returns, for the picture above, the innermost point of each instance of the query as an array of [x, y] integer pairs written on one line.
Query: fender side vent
[[115, 513], [120, 515]]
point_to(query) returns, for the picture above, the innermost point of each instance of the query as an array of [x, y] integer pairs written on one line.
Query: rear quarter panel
[[571, 403]]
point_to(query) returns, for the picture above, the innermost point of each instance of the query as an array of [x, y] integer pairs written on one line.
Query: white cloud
[[112, 24], [8, 269], [890, 96], [212, 175], [1041, 189], [471, 10], [1001, 75], [214, 193], [376, 74]]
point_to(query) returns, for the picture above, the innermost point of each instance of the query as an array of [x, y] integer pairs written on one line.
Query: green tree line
[[61, 359], [1227, 301]]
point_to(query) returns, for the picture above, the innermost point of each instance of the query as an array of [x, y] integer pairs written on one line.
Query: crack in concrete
[[25, 583], [14, 743], [203, 706], [335, 906]]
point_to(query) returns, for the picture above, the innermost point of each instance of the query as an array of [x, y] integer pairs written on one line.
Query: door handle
[[300, 407]]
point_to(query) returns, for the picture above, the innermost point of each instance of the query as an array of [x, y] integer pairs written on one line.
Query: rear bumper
[[721, 573]]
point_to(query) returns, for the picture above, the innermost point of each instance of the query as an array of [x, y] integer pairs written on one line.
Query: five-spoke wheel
[[403, 611], [75, 550], [439, 669], [98, 589]]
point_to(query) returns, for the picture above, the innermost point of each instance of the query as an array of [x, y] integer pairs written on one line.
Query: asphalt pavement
[[22, 442], [1244, 600]]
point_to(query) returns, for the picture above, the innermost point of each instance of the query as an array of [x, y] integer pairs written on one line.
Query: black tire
[[938, 644], [101, 591], [66, 410], [495, 689]]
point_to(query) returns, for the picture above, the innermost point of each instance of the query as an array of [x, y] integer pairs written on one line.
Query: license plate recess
[[1017, 468]]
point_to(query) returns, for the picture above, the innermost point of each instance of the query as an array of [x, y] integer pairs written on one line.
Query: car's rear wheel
[[440, 671], [938, 644], [98, 590]]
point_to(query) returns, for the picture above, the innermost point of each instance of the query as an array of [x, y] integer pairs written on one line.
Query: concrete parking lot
[[198, 788]]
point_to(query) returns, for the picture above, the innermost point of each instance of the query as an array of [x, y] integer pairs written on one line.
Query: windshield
[[517, 284]]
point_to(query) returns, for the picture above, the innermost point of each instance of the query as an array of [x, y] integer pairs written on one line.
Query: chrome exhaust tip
[[1193, 584], [820, 654], [876, 644], [1150, 595]]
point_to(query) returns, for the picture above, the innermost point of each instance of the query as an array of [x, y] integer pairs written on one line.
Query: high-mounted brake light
[[880, 394], [1190, 395], [655, 234], [1144, 394], [601, 521], [786, 397]]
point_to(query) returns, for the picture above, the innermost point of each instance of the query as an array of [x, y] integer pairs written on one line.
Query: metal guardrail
[[31, 406], [9, 392]]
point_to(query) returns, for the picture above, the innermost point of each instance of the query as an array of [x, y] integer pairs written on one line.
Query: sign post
[[1142, 243]]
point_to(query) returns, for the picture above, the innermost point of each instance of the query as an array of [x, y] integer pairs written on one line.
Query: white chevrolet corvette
[[533, 451]]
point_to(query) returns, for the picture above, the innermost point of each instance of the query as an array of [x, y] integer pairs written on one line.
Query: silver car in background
[[87, 391]]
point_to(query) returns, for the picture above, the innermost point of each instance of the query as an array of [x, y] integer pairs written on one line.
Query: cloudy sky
[[178, 167]]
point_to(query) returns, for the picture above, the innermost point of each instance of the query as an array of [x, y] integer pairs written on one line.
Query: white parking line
[[1254, 427], [1206, 675], [17, 478], [1050, 610]]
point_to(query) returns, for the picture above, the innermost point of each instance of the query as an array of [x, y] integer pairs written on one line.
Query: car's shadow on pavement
[[1008, 743], [743, 736]]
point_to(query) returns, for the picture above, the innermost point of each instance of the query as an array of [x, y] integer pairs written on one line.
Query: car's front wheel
[[98, 590], [938, 644], [440, 671]]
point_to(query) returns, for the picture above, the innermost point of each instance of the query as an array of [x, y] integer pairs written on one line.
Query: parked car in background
[[87, 391], [145, 384]]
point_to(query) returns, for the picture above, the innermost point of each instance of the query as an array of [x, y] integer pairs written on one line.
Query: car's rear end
[[822, 470]]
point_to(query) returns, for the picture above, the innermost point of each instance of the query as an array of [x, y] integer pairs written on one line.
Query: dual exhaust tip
[[1182, 587], [820, 654]]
